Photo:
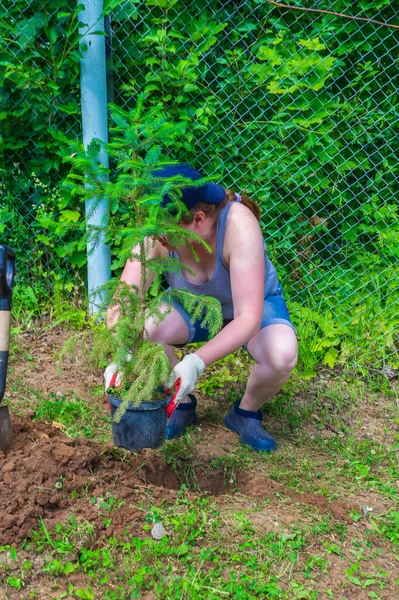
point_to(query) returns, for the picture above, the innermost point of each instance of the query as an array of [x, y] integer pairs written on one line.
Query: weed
[[67, 313], [15, 582], [179, 455], [229, 465], [79, 418], [388, 526], [27, 309], [332, 548], [229, 375], [363, 580], [316, 562], [65, 539]]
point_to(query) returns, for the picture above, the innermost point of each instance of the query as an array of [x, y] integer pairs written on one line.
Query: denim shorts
[[275, 311]]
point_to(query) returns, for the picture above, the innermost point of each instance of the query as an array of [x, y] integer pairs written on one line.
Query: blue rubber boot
[[183, 416], [248, 425]]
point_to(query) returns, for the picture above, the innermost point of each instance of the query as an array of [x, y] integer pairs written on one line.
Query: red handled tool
[[172, 404]]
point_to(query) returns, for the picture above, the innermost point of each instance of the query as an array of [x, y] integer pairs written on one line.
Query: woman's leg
[[274, 350], [172, 330]]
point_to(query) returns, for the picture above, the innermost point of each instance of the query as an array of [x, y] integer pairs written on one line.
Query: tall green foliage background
[[298, 108]]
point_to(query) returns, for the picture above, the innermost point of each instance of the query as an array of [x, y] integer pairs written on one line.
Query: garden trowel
[[7, 272]]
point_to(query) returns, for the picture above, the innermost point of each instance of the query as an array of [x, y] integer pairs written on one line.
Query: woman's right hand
[[112, 377], [187, 371]]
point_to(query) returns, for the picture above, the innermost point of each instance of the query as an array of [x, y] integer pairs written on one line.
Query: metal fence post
[[94, 123]]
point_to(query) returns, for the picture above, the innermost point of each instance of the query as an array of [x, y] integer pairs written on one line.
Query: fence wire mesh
[[297, 106]]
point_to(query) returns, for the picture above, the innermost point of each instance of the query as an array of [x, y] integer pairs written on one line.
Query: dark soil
[[41, 458]]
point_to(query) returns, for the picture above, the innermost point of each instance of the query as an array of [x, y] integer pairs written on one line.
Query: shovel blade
[[6, 431]]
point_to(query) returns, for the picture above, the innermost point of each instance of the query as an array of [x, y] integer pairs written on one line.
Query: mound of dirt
[[43, 467]]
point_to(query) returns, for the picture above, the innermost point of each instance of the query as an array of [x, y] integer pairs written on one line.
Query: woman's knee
[[282, 359], [154, 333], [280, 355], [172, 330], [157, 332]]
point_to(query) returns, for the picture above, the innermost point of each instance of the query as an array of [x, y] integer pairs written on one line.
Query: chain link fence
[[39, 99], [294, 104]]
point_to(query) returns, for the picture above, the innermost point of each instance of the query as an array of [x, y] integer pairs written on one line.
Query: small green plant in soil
[[388, 526], [79, 418], [138, 217]]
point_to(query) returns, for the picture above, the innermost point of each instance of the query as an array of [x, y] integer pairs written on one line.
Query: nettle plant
[[138, 217]]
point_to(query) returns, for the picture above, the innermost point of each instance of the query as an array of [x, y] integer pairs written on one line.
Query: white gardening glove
[[109, 379], [187, 370], [113, 376]]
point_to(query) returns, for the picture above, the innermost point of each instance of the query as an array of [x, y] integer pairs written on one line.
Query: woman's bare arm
[[132, 276], [245, 250]]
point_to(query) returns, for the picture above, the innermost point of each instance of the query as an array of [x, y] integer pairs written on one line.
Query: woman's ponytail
[[244, 199], [213, 209]]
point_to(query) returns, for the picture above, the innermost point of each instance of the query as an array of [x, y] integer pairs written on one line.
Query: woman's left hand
[[188, 370]]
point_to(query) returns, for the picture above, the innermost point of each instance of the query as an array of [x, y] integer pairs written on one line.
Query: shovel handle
[[7, 274]]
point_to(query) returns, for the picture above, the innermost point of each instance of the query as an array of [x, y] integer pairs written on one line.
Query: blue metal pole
[[94, 123]]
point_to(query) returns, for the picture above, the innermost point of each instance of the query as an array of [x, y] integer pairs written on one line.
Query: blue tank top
[[219, 286]]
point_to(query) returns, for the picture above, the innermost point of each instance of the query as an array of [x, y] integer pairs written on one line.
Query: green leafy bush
[[298, 108]]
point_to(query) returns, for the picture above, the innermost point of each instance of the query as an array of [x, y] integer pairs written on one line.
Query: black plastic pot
[[141, 426]]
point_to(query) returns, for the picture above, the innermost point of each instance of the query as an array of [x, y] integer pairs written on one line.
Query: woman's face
[[201, 225], [163, 239]]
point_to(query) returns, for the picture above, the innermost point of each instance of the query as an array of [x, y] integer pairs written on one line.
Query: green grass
[[210, 552], [78, 418], [338, 438]]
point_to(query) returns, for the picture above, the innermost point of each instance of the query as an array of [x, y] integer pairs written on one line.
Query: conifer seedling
[[137, 149]]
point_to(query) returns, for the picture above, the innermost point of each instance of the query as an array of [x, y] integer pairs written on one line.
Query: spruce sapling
[[138, 141]]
